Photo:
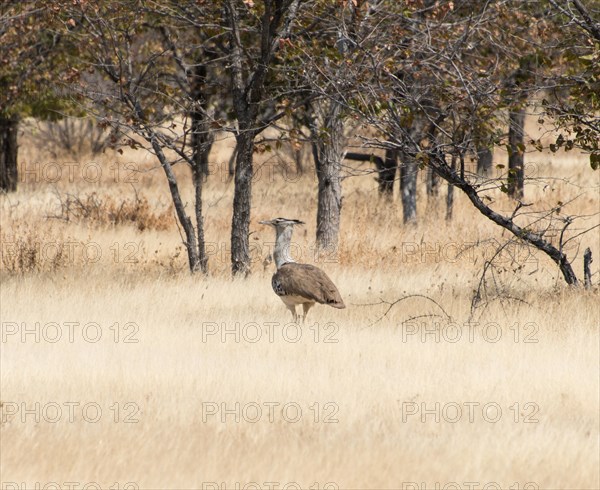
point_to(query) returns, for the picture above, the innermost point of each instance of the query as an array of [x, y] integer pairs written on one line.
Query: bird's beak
[[265, 223]]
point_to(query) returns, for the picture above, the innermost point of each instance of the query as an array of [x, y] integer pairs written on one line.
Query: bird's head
[[281, 223]]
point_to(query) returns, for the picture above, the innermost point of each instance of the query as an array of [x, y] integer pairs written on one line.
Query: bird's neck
[[282, 247]]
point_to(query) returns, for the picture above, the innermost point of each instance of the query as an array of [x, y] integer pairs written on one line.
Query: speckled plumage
[[299, 284], [306, 281]]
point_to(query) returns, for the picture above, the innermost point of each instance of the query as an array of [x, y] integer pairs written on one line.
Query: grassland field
[[119, 369]]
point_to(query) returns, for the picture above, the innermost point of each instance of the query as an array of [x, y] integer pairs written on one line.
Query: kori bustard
[[299, 284]]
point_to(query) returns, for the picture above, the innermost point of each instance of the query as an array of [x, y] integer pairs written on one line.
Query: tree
[[8, 153], [328, 167], [573, 100], [249, 72], [448, 82], [516, 148], [326, 52], [166, 76], [168, 61], [516, 126], [139, 82], [29, 51]]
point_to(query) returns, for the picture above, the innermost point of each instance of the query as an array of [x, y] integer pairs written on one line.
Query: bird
[[299, 284]]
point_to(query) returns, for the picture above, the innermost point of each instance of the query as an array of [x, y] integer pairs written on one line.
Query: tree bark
[[242, 202], [329, 199], [485, 156], [8, 154], [188, 228], [450, 195], [432, 183], [408, 187], [246, 97], [247, 90], [387, 176], [409, 166], [516, 144], [202, 141], [202, 137], [298, 161], [313, 128], [587, 273], [198, 179], [231, 163]]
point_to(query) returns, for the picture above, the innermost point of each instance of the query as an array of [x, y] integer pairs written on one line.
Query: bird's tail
[[337, 304]]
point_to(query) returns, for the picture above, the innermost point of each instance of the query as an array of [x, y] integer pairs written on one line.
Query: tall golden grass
[[120, 370]]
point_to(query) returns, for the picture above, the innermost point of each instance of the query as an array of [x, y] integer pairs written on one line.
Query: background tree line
[[427, 82]]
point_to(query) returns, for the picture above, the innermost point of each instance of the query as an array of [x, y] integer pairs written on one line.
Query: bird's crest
[[282, 222]]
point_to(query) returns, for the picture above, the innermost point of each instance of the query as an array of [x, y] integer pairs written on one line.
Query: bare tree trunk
[[485, 156], [329, 200], [198, 178], [202, 137], [408, 187], [409, 165], [313, 127], [298, 161], [242, 200], [188, 228], [450, 195], [516, 143], [387, 176], [433, 182], [8, 154], [246, 98], [247, 90], [231, 163], [202, 141], [298, 146], [587, 273]]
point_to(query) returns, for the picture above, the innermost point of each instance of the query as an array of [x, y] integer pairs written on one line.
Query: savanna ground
[[120, 370]]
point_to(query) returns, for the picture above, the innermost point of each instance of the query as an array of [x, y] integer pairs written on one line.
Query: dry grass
[[356, 374]]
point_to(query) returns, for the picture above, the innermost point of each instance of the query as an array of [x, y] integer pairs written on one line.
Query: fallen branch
[[394, 303]]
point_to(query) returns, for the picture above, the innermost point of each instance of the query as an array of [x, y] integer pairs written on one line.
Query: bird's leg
[[292, 308], [306, 307]]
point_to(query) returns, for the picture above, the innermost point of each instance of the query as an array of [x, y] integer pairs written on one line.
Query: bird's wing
[[309, 282]]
